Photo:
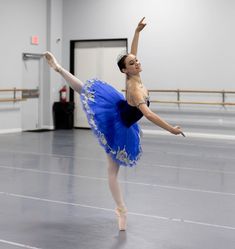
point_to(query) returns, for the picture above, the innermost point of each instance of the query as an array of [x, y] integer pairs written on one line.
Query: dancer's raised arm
[[134, 44]]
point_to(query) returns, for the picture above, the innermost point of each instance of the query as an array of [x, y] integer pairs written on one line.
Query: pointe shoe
[[51, 60], [122, 218]]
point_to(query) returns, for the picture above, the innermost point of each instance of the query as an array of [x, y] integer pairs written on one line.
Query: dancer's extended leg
[[74, 82], [121, 210]]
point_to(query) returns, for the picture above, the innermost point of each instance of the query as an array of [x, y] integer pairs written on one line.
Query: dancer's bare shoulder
[[135, 96]]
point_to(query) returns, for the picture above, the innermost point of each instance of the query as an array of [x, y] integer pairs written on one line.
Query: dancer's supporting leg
[[121, 210], [74, 82]]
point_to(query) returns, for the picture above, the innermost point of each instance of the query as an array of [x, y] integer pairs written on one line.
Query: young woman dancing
[[113, 118]]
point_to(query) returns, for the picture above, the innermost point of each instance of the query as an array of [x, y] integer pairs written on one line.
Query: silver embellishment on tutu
[[103, 139], [92, 122], [90, 96], [123, 156]]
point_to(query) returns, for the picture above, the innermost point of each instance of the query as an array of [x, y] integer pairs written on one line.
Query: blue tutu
[[102, 105]]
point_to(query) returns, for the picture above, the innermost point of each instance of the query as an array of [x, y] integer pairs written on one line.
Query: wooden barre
[[15, 97], [192, 91], [13, 90], [12, 100], [187, 91], [192, 102]]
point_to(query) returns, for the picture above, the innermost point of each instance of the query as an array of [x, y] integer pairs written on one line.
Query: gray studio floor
[[54, 193]]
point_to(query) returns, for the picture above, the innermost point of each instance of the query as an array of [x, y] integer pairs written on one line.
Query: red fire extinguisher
[[63, 94]]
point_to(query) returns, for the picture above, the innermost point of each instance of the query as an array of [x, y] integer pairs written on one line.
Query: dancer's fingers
[[141, 20], [182, 134]]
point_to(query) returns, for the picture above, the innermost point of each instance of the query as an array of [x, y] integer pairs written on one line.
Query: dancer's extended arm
[[157, 120], [138, 99]]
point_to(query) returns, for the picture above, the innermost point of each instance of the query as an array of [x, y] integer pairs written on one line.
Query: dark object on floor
[[63, 115], [40, 130]]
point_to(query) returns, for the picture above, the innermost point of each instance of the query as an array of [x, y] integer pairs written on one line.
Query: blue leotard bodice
[[130, 114]]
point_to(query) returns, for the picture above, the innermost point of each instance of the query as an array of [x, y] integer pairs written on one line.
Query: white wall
[[19, 20], [186, 44]]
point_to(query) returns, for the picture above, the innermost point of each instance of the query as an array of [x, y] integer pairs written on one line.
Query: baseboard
[[82, 128], [49, 127], [5, 131]]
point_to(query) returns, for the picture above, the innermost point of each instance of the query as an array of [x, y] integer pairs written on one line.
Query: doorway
[[96, 59]]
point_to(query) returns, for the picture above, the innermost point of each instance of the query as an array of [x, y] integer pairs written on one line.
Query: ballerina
[[113, 118]]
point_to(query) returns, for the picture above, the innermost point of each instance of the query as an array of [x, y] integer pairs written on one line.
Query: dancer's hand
[[177, 130], [141, 25]]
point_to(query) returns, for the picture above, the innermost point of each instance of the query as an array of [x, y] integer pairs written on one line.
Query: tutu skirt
[[101, 104]]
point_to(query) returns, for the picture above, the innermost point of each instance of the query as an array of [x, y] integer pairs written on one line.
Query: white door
[[96, 59], [30, 107]]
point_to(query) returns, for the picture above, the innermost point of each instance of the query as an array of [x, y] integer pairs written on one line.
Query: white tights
[[73, 82], [113, 169]]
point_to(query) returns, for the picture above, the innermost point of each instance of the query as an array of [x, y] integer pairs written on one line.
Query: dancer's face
[[133, 65]]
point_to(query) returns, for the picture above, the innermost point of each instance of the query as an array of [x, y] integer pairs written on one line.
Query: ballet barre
[[14, 98], [179, 100]]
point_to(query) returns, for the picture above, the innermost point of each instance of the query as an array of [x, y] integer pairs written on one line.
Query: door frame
[[72, 49], [36, 57]]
